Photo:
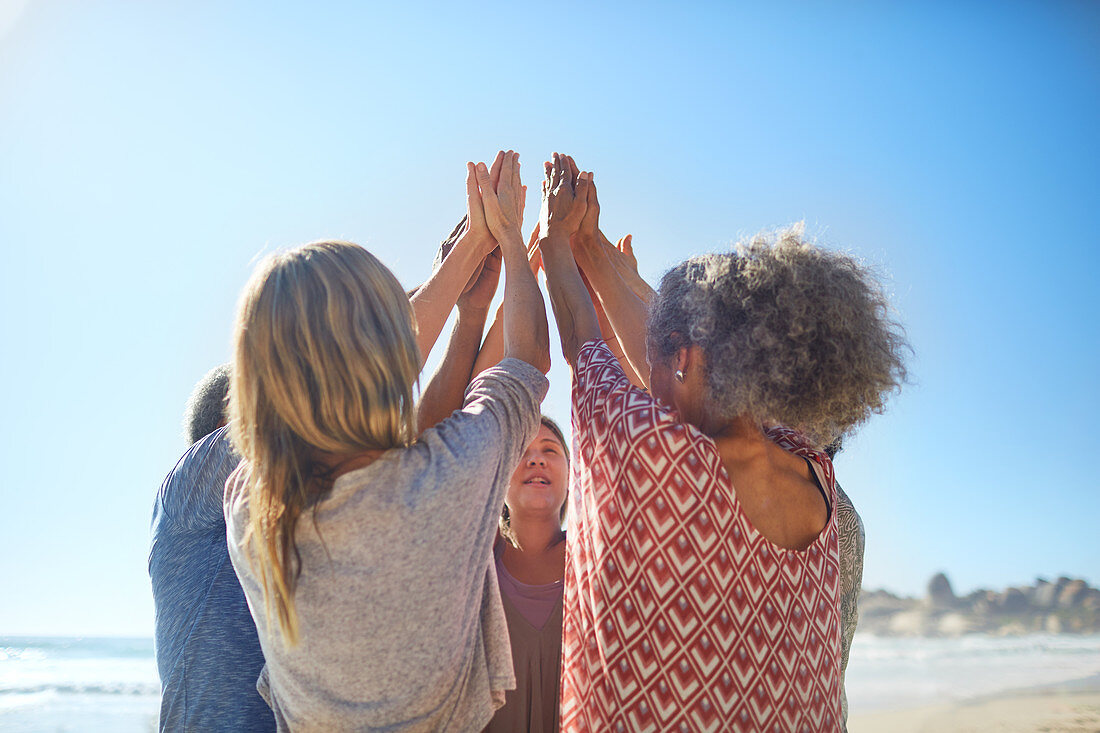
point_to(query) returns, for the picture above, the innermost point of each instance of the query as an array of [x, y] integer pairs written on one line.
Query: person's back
[[400, 620], [680, 612], [364, 550], [207, 651], [684, 613], [775, 489]]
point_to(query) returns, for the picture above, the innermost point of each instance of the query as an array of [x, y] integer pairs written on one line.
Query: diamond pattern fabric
[[679, 615]]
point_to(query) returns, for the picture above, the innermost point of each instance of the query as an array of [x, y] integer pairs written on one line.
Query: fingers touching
[[495, 169], [565, 197], [475, 209], [496, 197], [590, 224], [501, 193], [571, 167]]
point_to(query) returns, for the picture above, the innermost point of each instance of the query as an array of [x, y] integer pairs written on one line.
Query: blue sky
[[150, 152]]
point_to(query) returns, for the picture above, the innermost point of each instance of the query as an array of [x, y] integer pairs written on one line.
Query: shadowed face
[[541, 480], [686, 393], [660, 375]]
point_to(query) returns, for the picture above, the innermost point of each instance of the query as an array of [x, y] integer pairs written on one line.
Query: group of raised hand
[[594, 285]]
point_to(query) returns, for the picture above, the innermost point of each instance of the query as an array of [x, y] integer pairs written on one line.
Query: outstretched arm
[[525, 329], [563, 206], [492, 349], [445, 390], [471, 242], [621, 255], [610, 338], [625, 310]]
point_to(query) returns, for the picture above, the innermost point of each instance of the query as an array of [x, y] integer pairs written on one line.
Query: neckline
[[498, 558]]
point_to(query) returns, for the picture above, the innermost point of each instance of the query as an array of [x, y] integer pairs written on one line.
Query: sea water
[[100, 685], [78, 684], [896, 673]]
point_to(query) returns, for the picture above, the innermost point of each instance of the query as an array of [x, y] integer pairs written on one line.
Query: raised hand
[[482, 286], [589, 228], [502, 196], [456, 268], [572, 169], [494, 179], [610, 274], [449, 243], [626, 247], [563, 202], [477, 231]]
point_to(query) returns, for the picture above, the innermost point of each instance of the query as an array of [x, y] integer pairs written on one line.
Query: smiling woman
[[541, 480], [530, 564]]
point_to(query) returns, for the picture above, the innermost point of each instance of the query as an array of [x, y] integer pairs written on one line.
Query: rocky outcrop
[[940, 596], [1066, 605], [1073, 594]]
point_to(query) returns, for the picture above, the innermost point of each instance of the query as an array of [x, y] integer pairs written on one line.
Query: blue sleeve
[[191, 495]]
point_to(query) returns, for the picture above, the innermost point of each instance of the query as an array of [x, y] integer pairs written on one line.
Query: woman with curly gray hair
[[702, 577]]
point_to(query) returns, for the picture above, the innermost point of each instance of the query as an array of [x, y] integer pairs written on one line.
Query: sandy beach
[[1063, 708]]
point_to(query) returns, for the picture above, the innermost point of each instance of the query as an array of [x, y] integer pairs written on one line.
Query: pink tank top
[[534, 602]]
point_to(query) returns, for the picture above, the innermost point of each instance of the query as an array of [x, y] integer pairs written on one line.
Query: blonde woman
[[364, 550]]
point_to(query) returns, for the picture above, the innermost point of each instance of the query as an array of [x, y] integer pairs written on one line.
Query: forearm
[[492, 348], [525, 328], [609, 337], [432, 302], [625, 310], [444, 392], [641, 289], [573, 308], [628, 369]]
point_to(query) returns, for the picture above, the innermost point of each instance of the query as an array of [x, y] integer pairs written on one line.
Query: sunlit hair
[[505, 524], [792, 333], [325, 359]]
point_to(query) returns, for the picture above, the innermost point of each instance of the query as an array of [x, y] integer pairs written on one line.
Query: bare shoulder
[[780, 497]]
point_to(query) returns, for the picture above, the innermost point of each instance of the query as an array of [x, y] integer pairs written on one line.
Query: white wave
[[893, 673], [12, 653]]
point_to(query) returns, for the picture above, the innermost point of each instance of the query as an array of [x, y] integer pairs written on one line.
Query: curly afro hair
[[792, 334]]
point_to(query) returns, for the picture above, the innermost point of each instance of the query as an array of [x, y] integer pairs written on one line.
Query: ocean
[[102, 685], [61, 684]]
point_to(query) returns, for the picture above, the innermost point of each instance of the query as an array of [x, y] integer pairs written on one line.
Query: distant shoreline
[[1064, 707], [1065, 605]]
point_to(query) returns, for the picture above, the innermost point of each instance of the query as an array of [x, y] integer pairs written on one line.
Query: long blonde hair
[[325, 359]]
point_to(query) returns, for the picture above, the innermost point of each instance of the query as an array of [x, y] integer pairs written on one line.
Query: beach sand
[[1073, 707]]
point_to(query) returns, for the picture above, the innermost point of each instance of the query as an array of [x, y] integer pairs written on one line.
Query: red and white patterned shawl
[[679, 615]]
